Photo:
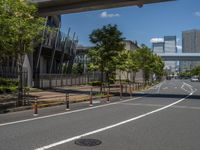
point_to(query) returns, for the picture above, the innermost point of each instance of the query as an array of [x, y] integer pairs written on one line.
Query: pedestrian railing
[[66, 98]]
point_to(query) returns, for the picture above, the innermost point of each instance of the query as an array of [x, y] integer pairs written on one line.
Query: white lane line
[[111, 126], [64, 113], [158, 91], [141, 104], [165, 88], [187, 86], [158, 105]]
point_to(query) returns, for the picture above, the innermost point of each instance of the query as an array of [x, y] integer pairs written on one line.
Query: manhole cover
[[88, 142]]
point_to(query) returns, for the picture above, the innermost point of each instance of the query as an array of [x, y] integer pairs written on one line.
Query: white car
[[194, 79]]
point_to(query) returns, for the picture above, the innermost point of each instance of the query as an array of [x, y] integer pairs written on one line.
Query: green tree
[[108, 43], [196, 71], [20, 31], [145, 61], [133, 63], [158, 67], [149, 63], [77, 68]]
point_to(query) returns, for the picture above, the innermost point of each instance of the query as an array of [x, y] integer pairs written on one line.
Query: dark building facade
[[48, 58]]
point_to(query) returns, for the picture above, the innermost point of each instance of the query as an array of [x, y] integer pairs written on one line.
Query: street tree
[[149, 63], [21, 30], [108, 43], [158, 67], [196, 71]]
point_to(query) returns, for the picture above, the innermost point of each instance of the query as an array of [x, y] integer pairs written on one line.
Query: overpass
[[180, 56], [57, 7]]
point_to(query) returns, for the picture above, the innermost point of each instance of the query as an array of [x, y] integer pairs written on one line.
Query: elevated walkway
[[180, 56]]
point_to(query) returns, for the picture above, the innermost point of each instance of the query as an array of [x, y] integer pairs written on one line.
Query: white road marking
[[158, 105], [158, 91], [165, 88], [69, 112], [111, 126], [188, 86], [142, 104]]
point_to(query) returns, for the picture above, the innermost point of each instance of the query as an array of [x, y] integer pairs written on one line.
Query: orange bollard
[[91, 103], [108, 95], [35, 108], [67, 101]]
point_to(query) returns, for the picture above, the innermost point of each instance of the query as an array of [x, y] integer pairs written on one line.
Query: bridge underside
[[56, 7], [180, 57]]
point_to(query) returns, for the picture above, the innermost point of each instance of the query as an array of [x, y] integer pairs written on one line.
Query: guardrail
[[68, 98]]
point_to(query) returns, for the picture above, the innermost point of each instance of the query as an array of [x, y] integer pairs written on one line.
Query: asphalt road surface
[[165, 117]]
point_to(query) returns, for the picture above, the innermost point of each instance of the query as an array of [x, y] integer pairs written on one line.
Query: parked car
[[194, 79], [168, 78]]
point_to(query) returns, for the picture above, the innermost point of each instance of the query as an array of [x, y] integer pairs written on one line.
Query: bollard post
[[35, 107], [91, 103], [130, 90], [108, 94], [120, 92], [67, 101]]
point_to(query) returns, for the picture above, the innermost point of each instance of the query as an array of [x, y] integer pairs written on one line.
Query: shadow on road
[[197, 97]]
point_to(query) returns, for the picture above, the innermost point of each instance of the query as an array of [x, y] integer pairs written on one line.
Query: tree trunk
[[101, 88], [134, 74], [20, 84]]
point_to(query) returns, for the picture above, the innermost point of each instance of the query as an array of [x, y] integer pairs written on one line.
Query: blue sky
[[141, 24]]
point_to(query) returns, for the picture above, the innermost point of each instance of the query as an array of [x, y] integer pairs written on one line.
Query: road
[[165, 117]]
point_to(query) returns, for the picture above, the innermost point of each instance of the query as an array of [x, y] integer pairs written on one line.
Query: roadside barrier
[[121, 91], [130, 90], [67, 98], [108, 94], [35, 107], [67, 101], [91, 100]]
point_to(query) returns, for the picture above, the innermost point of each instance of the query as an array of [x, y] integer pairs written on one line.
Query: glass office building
[[167, 46], [190, 44]]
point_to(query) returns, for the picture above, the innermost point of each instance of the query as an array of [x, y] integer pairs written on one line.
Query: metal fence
[[12, 74], [58, 80]]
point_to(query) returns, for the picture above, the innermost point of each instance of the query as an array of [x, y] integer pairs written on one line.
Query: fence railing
[[12, 74], [58, 80]]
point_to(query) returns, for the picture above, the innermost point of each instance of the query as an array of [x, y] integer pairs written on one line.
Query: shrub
[[8, 89], [8, 82], [95, 83]]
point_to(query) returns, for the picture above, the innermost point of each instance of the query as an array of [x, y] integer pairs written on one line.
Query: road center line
[[69, 112], [111, 126]]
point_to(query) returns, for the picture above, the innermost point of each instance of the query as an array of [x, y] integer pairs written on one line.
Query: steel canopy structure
[[57, 7]]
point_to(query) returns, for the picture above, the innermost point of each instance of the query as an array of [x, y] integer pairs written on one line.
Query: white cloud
[[197, 13], [107, 15], [156, 40]]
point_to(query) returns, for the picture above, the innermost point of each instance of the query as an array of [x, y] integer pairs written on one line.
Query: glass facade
[[167, 46], [190, 44]]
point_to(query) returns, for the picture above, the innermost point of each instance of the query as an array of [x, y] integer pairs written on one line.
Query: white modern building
[[166, 45]]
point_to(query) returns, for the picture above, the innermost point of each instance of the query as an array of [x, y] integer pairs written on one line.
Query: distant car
[[168, 78], [194, 79]]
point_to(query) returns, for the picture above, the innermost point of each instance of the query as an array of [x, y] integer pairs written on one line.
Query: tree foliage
[[196, 71], [20, 30], [108, 43], [20, 27], [109, 54], [150, 63]]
